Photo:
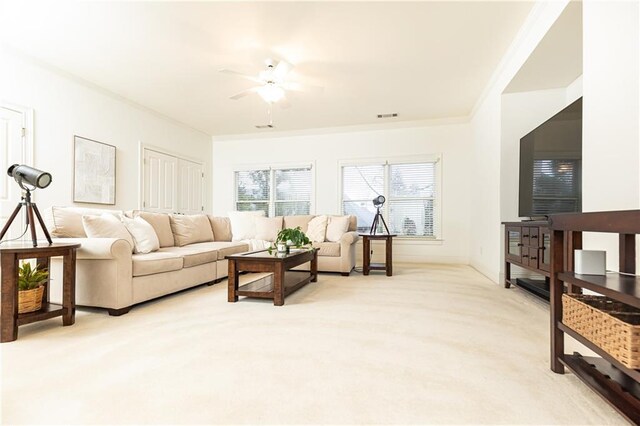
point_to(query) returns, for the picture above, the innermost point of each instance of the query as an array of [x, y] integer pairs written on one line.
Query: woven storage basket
[[609, 324], [30, 300]]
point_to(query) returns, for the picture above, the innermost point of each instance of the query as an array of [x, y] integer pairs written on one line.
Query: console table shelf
[[616, 383], [624, 288]]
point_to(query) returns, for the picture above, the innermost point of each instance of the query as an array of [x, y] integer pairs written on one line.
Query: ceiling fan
[[272, 86]]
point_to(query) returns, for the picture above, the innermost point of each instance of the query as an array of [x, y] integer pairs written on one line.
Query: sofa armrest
[[349, 238], [100, 248]]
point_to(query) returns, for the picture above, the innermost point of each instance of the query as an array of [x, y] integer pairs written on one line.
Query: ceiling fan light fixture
[[271, 93]]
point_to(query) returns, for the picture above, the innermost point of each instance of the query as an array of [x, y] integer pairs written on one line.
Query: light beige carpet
[[433, 344]]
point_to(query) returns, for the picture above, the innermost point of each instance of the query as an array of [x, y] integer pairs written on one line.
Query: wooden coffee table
[[284, 280]]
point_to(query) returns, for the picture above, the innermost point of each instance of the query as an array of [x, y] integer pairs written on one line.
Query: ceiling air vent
[[264, 126], [389, 115]]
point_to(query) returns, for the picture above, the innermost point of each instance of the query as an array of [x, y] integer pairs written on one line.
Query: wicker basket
[[30, 300], [609, 324]]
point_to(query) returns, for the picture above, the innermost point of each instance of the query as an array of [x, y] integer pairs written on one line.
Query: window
[[276, 191], [411, 190]]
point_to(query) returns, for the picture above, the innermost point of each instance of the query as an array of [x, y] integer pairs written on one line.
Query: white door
[[13, 150], [190, 178], [160, 182]]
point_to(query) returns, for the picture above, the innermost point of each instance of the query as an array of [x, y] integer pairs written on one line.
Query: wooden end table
[[367, 266], [10, 254], [284, 282]]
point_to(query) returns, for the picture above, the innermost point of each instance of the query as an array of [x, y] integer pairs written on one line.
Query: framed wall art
[[94, 172]]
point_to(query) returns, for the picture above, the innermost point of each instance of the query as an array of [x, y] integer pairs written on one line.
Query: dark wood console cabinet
[[604, 373], [528, 245]]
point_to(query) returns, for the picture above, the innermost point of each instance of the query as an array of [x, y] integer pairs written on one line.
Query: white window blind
[[410, 190], [360, 185], [556, 186], [253, 190], [277, 192], [293, 192], [412, 199]]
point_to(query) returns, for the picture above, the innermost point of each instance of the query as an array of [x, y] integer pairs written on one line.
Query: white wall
[[64, 107], [487, 131], [611, 130], [453, 141]]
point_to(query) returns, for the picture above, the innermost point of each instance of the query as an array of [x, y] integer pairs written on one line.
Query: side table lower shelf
[[614, 386], [48, 310]]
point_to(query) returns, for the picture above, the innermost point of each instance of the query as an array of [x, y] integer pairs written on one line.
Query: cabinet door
[[544, 251], [513, 243]]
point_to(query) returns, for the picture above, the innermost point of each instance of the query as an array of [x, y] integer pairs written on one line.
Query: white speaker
[[590, 262]]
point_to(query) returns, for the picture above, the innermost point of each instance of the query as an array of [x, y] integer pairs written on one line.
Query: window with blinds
[[277, 192], [556, 186], [410, 190]]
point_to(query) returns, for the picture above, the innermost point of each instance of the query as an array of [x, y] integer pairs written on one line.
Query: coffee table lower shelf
[[263, 288]]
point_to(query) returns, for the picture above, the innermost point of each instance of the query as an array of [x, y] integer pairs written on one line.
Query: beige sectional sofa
[[109, 275]]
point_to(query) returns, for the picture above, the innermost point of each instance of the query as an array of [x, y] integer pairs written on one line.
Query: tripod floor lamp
[[29, 179]]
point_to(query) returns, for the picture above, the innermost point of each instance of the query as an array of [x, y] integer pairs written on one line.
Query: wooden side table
[[366, 253], [9, 256]]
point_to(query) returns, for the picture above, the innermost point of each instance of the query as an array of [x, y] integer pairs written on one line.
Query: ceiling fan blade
[[282, 69], [244, 93], [239, 74], [299, 87]]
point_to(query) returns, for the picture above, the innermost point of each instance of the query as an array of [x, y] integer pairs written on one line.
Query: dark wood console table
[[604, 374], [528, 245], [10, 255], [367, 266]]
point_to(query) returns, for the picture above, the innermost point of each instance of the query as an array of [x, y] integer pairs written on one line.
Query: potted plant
[[30, 287], [290, 237]]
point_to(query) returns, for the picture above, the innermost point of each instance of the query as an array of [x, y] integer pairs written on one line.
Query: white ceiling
[[557, 60], [423, 60]]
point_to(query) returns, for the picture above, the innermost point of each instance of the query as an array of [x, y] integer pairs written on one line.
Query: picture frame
[[94, 171]]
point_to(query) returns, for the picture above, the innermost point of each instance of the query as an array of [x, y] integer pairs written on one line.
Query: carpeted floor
[[433, 344]]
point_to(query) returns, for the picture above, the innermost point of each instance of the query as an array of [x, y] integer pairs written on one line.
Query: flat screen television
[[551, 165]]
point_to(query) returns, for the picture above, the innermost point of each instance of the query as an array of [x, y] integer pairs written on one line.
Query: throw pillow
[[162, 225], [336, 227], [145, 239], [66, 222], [189, 229], [317, 229], [243, 224], [106, 226], [221, 227], [267, 228]]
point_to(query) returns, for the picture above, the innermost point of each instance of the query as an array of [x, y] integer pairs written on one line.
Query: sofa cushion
[[66, 222], [243, 224], [294, 221], [336, 227], [162, 226], [227, 248], [317, 229], [155, 263], [144, 236], [353, 223], [189, 229], [267, 228], [194, 254], [106, 226], [221, 227], [327, 248]]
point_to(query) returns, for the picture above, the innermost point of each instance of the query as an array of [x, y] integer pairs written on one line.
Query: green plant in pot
[[290, 237], [30, 287]]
